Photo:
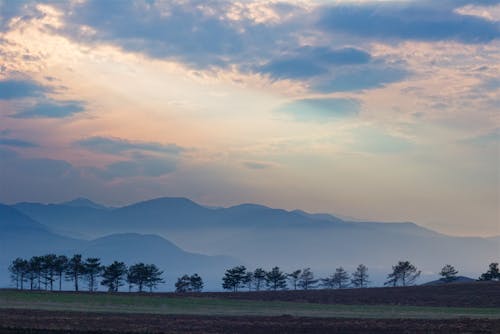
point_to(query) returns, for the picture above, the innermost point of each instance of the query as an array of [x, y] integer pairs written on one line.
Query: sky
[[376, 110]]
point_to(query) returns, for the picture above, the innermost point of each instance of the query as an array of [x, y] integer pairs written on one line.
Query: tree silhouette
[[186, 283], [404, 274], [36, 267], [276, 279], [307, 280], [196, 283], [92, 271], [153, 277], [48, 270], [75, 269], [360, 277], [19, 269], [183, 284], [293, 277], [259, 277], [144, 275], [234, 278], [113, 275], [493, 273], [341, 278], [60, 264], [448, 273]]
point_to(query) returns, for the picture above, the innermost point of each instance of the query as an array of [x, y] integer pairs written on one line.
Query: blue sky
[[382, 110]]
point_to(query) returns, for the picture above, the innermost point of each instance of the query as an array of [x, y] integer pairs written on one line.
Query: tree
[[48, 270], [183, 284], [340, 278], [306, 279], [448, 273], [186, 283], [75, 269], [248, 280], [234, 278], [259, 277], [153, 277], [112, 276], [92, 271], [493, 273], [276, 279], [196, 283], [36, 268], [19, 269], [360, 277], [293, 277], [32, 270], [60, 264], [144, 275], [404, 274]]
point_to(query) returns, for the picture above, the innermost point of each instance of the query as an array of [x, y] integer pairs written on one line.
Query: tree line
[[403, 273], [42, 272]]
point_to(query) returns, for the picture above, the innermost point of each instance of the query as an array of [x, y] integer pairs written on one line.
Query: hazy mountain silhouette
[[81, 202], [21, 236], [263, 236]]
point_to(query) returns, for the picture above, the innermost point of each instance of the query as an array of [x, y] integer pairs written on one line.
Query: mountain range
[[183, 236]]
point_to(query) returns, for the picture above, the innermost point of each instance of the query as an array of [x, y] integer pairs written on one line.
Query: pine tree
[[183, 284], [259, 277], [448, 273], [404, 274], [92, 271], [75, 269], [493, 273], [360, 277], [234, 278], [293, 277], [341, 278], [113, 276], [276, 279], [196, 283], [307, 280]]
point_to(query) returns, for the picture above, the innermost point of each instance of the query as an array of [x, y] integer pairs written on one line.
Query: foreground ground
[[464, 308], [36, 322]]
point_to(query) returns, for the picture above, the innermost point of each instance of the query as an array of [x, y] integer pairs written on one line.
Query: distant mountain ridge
[[21, 236], [81, 202], [261, 236]]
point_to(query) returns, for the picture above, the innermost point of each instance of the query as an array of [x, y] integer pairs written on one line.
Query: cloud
[[256, 165], [312, 61], [162, 29], [484, 140], [51, 109], [16, 142], [360, 78], [414, 20], [146, 166], [320, 110], [372, 140], [116, 146], [17, 89]]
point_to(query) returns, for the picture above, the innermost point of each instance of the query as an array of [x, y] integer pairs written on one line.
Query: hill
[[24, 237], [263, 236]]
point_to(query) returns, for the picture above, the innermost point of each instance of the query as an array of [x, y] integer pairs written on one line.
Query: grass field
[[171, 305]]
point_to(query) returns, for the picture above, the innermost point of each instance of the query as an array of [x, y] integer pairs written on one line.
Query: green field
[[161, 304]]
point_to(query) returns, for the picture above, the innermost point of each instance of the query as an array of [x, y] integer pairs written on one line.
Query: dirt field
[[460, 308], [479, 294], [36, 322]]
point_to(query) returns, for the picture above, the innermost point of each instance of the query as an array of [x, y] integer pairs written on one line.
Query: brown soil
[[37, 322], [480, 294]]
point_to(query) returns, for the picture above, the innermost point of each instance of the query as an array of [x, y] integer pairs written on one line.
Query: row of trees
[[403, 274], [238, 278], [41, 272]]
